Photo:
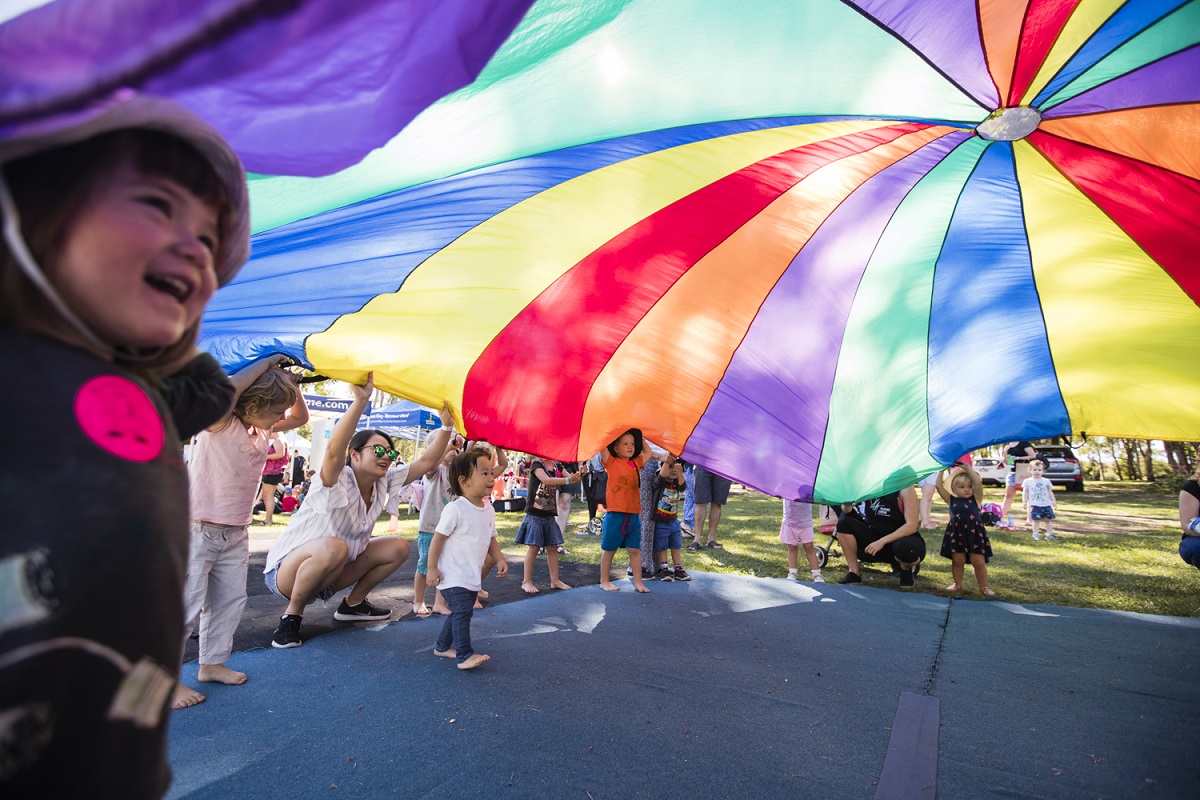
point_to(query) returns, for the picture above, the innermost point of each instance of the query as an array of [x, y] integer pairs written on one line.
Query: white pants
[[216, 587]]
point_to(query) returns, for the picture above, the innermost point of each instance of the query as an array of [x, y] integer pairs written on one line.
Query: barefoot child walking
[[465, 536], [965, 537]]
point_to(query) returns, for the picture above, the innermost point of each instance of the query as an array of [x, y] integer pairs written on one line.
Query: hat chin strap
[[16, 243]]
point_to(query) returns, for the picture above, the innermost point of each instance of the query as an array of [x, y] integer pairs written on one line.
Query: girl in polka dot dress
[[965, 537]]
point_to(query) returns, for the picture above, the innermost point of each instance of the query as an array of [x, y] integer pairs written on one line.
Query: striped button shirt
[[336, 510]]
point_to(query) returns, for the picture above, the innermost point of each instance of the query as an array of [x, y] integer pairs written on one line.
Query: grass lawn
[[1118, 551]]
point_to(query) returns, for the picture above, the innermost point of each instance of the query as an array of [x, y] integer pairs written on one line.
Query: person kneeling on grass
[[465, 536], [885, 531], [327, 546]]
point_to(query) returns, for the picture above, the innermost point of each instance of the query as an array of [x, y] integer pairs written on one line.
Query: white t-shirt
[[1038, 491], [437, 497], [469, 530], [336, 510]]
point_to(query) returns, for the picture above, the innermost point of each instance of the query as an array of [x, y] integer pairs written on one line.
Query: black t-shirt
[[91, 652], [543, 500], [1018, 451], [884, 514]]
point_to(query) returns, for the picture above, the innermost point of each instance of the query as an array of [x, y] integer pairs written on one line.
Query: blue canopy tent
[[403, 418]]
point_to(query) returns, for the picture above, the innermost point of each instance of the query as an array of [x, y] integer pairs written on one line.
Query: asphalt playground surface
[[726, 686]]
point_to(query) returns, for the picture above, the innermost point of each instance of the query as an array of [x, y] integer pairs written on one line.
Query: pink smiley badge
[[117, 415]]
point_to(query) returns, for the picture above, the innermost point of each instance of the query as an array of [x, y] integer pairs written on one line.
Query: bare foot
[[987, 591], [421, 610], [443, 610], [448, 653], [641, 588], [559, 585], [478, 605], [185, 697], [529, 588], [954, 587], [482, 595], [608, 586], [474, 661], [219, 673]]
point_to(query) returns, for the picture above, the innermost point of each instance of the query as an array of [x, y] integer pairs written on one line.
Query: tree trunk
[[1148, 456], [1172, 462], [1116, 462]]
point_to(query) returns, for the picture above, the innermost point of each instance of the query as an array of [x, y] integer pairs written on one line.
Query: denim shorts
[[711, 487], [667, 535], [424, 540], [1041, 512], [271, 579]]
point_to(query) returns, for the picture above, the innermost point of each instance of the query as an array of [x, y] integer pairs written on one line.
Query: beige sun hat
[[128, 109]]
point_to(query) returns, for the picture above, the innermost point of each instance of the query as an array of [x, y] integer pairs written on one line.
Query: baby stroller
[[827, 522]]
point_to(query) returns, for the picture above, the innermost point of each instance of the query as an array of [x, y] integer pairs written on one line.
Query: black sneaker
[[363, 612], [681, 575], [288, 633], [907, 581], [851, 577], [664, 574]]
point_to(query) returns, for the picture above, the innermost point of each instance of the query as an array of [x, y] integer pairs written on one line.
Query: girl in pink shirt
[[223, 475]]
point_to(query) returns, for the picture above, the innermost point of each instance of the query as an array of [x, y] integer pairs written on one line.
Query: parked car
[[991, 471], [1062, 467]]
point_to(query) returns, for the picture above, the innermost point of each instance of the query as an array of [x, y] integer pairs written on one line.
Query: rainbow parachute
[[822, 247]]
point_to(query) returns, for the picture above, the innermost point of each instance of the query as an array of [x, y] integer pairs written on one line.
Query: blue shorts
[[621, 529], [1041, 512], [667, 535], [1011, 478], [424, 540]]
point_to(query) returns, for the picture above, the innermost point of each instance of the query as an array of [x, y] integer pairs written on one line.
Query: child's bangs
[[163, 155]]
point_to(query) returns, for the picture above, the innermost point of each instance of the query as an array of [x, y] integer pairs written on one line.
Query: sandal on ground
[[694, 545], [715, 545], [954, 587], [987, 592]]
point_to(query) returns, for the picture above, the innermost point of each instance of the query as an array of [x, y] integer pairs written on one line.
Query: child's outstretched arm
[[297, 415], [940, 485], [200, 394], [435, 448], [249, 374], [339, 437], [1053, 497], [976, 482]]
